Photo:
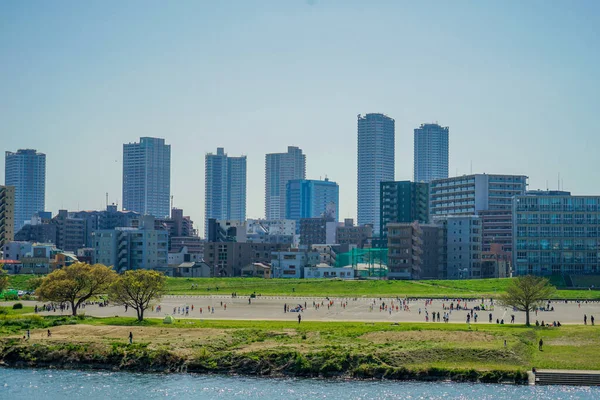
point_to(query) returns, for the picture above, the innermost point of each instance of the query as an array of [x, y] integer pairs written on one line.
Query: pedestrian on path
[[541, 344], [299, 318], [130, 337]]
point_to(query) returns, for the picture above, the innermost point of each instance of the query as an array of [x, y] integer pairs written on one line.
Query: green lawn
[[338, 288], [376, 288]]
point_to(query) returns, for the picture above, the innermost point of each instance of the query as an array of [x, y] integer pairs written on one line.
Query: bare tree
[[526, 293]]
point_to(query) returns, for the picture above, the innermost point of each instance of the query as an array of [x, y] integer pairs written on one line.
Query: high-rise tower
[[147, 177], [280, 168], [376, 146], [26, 171], [225, 187], [431, 153]]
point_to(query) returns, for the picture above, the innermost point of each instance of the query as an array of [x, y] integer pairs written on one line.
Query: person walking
[[592, 319], [541, 344], [130, 337], [299, 318], [584, 319]]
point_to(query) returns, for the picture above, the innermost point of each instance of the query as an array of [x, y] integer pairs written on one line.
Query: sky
[[517, 82]]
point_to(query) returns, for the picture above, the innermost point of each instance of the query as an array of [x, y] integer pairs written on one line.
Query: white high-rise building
[[280, 168], [147, 177], [26, 171], [225, 187], [376, 155], [430, 153]]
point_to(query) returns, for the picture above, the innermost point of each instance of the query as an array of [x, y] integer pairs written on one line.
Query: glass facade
[[430, 153], [556, 233]]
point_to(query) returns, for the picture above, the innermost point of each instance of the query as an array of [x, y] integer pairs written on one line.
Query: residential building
[[311, 198], [194, 244], [272, 231], [556, 233], [415, 251], [41, 229], [228, 258], [110, 218], [225, 187], [489, 196], [430, 153], [376, 152], [16, 250], [25, 170], [403, 201], [147, 177], [131, 248], [496, 263], [70, 231], [324, 271], [7, 214], [317, 231], [279, 169], [291, 264], [182, 256], [348, 234], [257, 270], [462, 246], [177, 225], [226, 231]]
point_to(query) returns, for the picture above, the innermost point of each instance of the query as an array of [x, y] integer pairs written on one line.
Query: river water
[[89, 385]]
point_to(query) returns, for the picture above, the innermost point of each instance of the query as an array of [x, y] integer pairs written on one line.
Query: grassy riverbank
[[336, 288], [276, 348], [471, 288]]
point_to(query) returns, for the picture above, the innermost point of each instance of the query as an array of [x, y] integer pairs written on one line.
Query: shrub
[[17, 306]]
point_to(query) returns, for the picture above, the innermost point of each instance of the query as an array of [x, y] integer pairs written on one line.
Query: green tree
[[75, 284], [526, 293], [3, 279], [34, 283], [137, 289]]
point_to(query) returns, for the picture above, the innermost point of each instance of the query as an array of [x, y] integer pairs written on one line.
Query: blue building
[[26, 171], [311, 199], [430, 153]]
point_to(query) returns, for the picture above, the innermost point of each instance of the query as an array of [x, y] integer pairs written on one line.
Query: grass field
[[307, 349], [338, 288]]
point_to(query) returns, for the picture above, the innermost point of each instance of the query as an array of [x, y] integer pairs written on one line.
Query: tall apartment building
[[430, 153], [70, 231], [110, 218], [143, 247], [25, 170], [7, 214], [556, 233], [147, 177], [489, 196], [415, 251], [280, 168], [376, 152], [225, 187], [311, 198], [462, 246], [403, 201]]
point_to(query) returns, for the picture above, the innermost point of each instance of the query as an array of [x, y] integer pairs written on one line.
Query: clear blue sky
[[517, 82]]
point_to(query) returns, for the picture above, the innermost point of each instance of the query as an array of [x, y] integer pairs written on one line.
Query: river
[[72, 384]]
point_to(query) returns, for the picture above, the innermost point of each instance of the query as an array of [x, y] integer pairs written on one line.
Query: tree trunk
[[527, 317], [140, 314], [73, 308]]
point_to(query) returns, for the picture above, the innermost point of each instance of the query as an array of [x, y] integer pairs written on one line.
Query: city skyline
[[508, 83]]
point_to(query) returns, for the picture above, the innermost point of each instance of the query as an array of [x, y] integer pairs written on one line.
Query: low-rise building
[[324, 271], [291, 264], [257, 270], [228, 258]]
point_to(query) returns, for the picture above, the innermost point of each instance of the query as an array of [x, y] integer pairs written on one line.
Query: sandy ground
[[271, 308]]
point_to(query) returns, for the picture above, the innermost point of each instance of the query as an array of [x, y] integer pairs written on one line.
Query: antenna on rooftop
[[171, 202], [471, 167], [107, 199]]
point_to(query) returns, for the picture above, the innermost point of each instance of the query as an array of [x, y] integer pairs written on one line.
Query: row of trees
[[79, 282]]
